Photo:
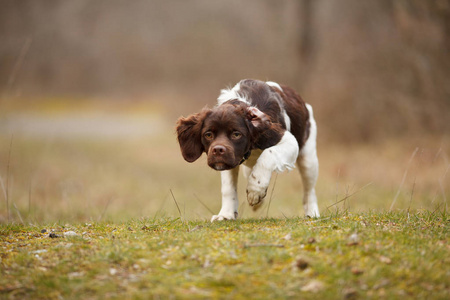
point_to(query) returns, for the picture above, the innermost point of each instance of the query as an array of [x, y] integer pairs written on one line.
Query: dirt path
[[82, 125]]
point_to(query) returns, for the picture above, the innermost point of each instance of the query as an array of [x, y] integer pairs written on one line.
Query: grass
[[88, 179], [368, 255], [140, 214]]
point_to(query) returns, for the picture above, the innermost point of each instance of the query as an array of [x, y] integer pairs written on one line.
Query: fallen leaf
[[311, 240], [314, 286], [385, 259], [353, 240], [196, 228], [112, 271], [40, 251], [356, 271], [350, 293], [70, 233]]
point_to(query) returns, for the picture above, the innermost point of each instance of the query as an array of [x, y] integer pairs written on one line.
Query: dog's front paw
[[255, 197], [258, 183], [312, 210], [310, 205], [224, 216]]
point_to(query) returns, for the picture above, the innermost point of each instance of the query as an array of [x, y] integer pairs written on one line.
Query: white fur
[[308, 164], [279, 157], [274, 84], [230, 204], [258, 168], [230, 94], [287, 120]]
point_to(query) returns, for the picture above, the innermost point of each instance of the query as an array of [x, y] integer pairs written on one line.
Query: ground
[[97, 202], [370, 255]]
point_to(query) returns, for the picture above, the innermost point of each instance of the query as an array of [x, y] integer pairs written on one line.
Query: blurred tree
[[370, 68]]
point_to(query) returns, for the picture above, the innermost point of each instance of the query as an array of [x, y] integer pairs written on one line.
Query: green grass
[[369, 255], [141, 215]]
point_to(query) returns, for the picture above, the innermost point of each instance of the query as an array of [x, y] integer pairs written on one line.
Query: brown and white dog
[[262, 127]]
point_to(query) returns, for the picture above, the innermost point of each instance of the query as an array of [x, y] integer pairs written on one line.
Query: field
[[113, 175], [350, 256]]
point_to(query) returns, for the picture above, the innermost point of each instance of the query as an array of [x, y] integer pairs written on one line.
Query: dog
[[260, 127]]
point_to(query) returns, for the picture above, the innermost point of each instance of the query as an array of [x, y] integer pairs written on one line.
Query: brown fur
[[260, 124]]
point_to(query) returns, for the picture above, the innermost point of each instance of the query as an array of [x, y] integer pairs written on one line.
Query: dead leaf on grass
[[288, 237], [350, 293], [353, 240], [314, 286], [311, 240], [113, 271], [357, 271], [70, 233], [196, 228], [385, 259]]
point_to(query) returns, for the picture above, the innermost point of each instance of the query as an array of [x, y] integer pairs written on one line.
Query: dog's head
[[226, 133]]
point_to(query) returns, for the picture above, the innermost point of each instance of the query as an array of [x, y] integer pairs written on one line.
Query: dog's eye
[[208, 135], [236, 135]]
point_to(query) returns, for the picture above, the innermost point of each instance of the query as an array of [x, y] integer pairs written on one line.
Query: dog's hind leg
[[230, 203], [308, 165]]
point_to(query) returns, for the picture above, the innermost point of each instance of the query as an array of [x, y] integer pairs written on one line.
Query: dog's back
[[281, 103]]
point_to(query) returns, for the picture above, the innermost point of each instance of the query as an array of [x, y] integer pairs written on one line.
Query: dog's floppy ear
[[258, 120], [189, 131], [263, 132]]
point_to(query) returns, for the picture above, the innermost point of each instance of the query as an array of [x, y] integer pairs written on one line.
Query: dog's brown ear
[[263, 132], [258, 119], [189, 132]]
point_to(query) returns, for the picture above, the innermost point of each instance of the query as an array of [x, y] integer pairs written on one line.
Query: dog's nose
[[218, 150]]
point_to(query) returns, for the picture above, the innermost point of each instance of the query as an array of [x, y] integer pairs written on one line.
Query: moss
[[391, 255]]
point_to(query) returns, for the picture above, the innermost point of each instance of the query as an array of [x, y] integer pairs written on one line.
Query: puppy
[[261, 127]]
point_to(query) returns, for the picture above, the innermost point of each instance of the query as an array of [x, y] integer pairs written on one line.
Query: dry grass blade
[[404, 178], [271, 194], [18, 65], [348, 196], [6, 189], [201, 202], [176, 203], [18, 213], [441, 185], [104, 210]]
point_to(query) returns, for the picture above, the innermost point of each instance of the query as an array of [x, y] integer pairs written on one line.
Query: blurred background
[[90, 92]]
